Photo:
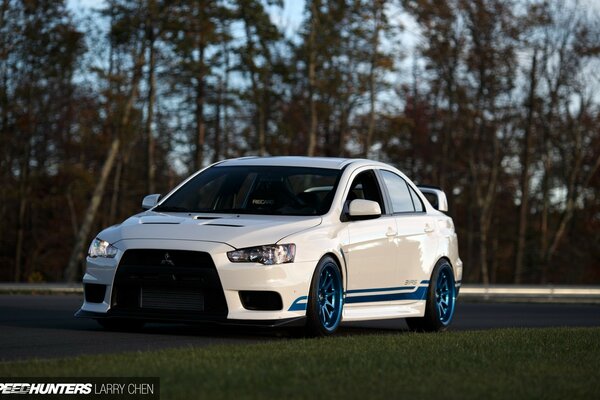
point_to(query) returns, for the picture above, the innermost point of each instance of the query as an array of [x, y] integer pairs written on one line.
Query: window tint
[[416, 200], [365, 186], [398, 190]]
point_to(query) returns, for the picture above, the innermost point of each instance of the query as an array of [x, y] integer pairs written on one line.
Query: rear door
[[416, 240]]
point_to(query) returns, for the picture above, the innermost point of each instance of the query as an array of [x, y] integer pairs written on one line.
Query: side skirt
[[371, 311]]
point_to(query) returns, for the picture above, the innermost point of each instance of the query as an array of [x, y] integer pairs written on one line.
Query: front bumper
[[290, 281]]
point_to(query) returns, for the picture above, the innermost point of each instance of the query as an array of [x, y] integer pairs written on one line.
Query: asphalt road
[[44, 327]]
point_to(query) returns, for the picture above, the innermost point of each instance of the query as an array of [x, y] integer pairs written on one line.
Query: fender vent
[[94, 293]]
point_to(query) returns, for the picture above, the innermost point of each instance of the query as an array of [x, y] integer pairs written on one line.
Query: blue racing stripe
[[380, 289], [419, 294], [297, 306]]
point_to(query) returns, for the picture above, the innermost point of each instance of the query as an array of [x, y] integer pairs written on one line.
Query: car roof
[[297, 161]]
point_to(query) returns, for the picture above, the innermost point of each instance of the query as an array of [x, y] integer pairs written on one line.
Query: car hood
[[238, 231]]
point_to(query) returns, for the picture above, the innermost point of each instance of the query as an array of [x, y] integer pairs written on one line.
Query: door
[[416, 239], [372, 246]]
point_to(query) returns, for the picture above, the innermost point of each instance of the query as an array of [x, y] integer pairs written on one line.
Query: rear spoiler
[[435, 196]]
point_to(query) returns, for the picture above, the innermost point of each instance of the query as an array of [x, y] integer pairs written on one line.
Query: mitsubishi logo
[[167, 260]]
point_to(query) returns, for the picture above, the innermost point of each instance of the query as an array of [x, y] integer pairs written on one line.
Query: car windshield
[[266, 190]]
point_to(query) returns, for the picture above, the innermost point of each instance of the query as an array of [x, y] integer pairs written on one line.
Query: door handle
[[391, 232], [428, 228]]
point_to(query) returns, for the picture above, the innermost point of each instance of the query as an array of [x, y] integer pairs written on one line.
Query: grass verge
[[553, 363]]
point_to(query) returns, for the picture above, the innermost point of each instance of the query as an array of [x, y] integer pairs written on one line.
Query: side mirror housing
[[436, 197], [150, 201], [364, 209]]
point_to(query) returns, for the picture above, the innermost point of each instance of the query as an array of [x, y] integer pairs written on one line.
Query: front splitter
[[212, 320]]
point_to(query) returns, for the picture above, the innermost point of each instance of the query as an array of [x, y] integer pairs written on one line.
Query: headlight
[[101, 248], [267, 255]]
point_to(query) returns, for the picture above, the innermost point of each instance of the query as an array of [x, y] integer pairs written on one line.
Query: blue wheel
[[325, 302], [441, 301], [445, 295]]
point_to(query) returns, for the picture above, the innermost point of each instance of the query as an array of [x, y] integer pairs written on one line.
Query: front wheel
[[441, 301], [325, 300]]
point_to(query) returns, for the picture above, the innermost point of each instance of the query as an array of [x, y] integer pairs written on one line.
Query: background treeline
[[496, 101]]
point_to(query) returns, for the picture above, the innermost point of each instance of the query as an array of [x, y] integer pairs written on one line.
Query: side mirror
[[364, 209], [436, 197], [150, 201]]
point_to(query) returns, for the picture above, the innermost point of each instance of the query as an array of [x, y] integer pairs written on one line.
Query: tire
[[325, 300], [441, 301], [122, 325]]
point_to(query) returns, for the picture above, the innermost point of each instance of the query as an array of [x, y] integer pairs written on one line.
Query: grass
[[554, 363]]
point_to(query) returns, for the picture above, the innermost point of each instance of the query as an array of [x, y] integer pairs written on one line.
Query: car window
[[256, 190], [416, 200], [432, 199], [365, 186], [399, 192]]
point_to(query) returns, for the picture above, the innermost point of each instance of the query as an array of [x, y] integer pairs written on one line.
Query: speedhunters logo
[[114, 388], [45, 388]]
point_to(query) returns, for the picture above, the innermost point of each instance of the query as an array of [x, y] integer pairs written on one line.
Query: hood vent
[[231, 225], [199, 217], [160, 220]]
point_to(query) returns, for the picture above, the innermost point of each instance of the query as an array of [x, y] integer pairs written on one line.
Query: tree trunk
[[72, 212], [200, 88], [20, 234], [544, 218], [114, 201], [151, 167], [483, 255], [485, 192], [262, 142], [259, 118], [200, 100], [377, 5], [525, 178], [312, 60], [342, 134], [217, 137], [226, 150], [72, 270], [24, 186]]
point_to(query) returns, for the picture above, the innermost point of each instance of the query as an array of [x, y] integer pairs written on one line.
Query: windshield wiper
[[171, 209]]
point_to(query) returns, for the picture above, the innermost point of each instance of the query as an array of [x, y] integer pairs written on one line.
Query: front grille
[[174, 281], [175, 299]]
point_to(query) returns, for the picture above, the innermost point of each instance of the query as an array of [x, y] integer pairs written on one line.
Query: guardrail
[[468, 292], [24, 288], [532, 293]]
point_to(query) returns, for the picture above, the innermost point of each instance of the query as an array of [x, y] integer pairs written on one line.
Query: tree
[[39, 50], [257, 61], [126, 31]]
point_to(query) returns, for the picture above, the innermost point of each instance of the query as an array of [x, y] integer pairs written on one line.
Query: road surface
[[43, 326]]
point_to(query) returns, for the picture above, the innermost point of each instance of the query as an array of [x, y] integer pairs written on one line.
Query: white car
[[280, 241]]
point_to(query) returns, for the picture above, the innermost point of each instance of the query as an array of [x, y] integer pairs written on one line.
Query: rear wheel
[[121, 324], [441, 301], [325, 301]]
